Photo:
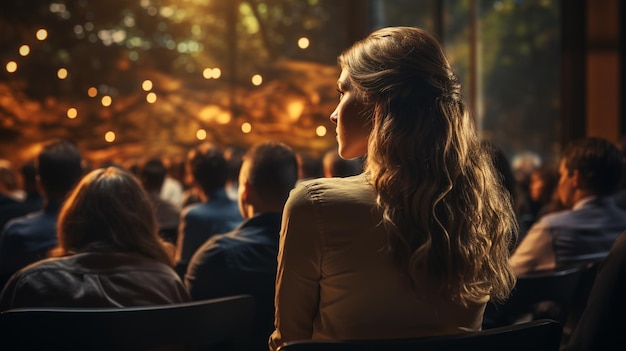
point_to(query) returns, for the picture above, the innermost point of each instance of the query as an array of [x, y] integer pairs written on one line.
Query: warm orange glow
[[146, 85], [257, 79], [24, 50], [92, 92], [201, 134], [42, 34], [72, 113], [223, 118], [109, 136], [211, 73], [303, 43], [11, 66], [106, 101], [246, 127], [151, 98], [62, 73], [295, 109], [320, 131]]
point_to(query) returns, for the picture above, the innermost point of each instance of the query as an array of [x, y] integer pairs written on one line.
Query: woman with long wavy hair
[[417, 244], [109, 253]]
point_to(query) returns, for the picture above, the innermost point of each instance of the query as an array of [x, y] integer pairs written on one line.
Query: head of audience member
[[152, 175], [59, 168], [589, 167], [208, 168], [335, 166], [402, 107], [29, 176], [309, 167], [108, 211], [268, 173], [234, 156], [543, 182]]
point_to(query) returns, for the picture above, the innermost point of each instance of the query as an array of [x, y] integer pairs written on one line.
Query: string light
[[320, 131], [146, 85], [41, 34], [303, 43], [151, 98], [106, 101], [11, 66], [246, 127], [92, 92], [24, 50], [257, 79], [201, 134], [109, 136], [72, 113], [62, 73]]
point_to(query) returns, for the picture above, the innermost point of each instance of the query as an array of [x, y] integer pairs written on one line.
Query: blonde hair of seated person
[[445, 210]]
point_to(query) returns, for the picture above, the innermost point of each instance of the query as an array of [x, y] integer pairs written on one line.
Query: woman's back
[[335, 239]]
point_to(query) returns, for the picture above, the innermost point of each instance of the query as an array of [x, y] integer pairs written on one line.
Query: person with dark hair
[[233, 155], [29, 238], [589, 171], [31, 203], [218, 214], [108, 254], [152, 174], [244, 260], [418, 243]]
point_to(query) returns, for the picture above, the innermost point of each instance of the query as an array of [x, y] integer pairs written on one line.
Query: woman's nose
[[334, 115]]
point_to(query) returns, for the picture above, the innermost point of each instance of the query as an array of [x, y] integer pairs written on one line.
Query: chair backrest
[[539, 335], [557, 286], [184, 326]]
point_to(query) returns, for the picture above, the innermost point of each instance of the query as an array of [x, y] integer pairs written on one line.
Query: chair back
[[199, 325], [539, 335]]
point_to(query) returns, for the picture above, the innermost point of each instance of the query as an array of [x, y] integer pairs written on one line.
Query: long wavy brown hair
[[447, 214], [109, 211]]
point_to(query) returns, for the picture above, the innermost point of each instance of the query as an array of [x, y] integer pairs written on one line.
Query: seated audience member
[[218, 214], [233, 155], [9, 190], [172, 189], [418, 243], [309, 167], [589, 171], [152, 174], [602, 324], [244, 260], [335, 166], [109, 253], [542, 189], [27, 239], [31, 203]]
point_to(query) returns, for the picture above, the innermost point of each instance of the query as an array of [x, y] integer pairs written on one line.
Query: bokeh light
[[106, 101], [303, 43], [146, 85], [62, 73], [151, 98], [24, 50], [92, 92], [320, 131], [41, 34], [109, 136], [257, 79], [11, 66], [246, 127], [72, 113], [201, 134]]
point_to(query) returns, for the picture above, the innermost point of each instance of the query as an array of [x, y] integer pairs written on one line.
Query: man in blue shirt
[[244, 260], [217, 214], [27, 239]]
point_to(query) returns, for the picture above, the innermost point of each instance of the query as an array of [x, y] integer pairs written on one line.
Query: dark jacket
[[94, 280]]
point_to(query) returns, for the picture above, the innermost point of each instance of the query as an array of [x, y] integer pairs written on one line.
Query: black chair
[[222, 324], [540, 335], [538, 295]]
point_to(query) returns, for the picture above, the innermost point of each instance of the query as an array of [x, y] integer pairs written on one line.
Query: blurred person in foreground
[[109, 253], [418, 243]]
